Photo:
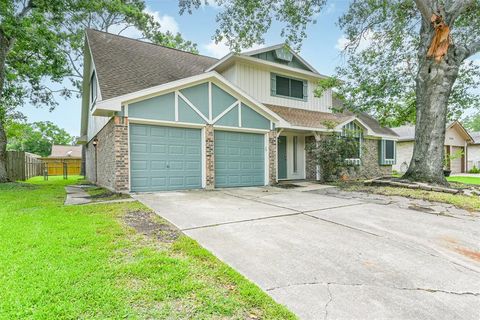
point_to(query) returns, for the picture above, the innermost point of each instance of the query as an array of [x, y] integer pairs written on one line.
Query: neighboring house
[[155, 118], [457, 140], [473, 154], [69, 157]]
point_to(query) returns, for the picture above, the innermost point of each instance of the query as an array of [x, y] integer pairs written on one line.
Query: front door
[[282, 157]]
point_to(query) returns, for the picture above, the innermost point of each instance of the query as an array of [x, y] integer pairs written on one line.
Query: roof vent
[[283, 54]]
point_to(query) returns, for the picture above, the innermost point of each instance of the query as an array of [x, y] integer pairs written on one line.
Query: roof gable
[[125, 65], [62, 151], [281, 54]]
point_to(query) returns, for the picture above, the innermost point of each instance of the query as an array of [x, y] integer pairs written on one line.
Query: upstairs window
[[93, 88], [289, 87]]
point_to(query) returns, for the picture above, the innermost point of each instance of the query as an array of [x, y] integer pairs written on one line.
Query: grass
[[85, 262], [465, 180], [461, 201]]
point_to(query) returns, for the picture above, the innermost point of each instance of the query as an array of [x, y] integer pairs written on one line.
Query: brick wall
[[272, 157], [121, 154], [369, 168], [210, 156], [310, 162], [110, 156]]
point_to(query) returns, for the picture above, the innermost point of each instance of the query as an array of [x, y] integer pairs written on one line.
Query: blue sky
[[319, 49]]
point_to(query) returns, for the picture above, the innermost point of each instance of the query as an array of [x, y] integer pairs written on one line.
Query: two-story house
[[156, 118]]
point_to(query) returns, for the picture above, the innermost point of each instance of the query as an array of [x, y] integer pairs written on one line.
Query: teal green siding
[[187, 114], [198, 95], [270, 56], [164, 158], [163, 108], [157, 108], [252, 119], [239, 159], [221, 100], [230, 119]]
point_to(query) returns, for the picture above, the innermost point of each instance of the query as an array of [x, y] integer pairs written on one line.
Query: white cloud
[[167, 23], [365, 42], [219, 50]]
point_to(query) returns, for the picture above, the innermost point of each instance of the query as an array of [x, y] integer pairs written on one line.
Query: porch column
[[272, 156], [317, 166], [209, 157], [120, 134]]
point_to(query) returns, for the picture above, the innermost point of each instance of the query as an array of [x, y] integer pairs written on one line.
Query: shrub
[[333, 154], [474, 170]]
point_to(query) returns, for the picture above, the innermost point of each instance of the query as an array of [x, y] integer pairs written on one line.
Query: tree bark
[[5, 46], [433, 87]]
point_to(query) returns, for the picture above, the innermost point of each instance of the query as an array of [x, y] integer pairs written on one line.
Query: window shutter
[[273, 84], [305, 90], [381, 158]]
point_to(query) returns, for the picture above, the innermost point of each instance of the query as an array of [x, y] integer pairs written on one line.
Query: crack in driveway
[[328, 284]]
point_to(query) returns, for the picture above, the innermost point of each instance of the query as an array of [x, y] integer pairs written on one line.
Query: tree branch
[[455, 9], [473, 48], [29, 6], [425, 8]]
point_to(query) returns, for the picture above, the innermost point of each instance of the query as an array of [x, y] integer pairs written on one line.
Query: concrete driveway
[[325, 257]]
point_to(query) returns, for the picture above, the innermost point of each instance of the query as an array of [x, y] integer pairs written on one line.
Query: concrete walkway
[[327, 257], [76, 195]]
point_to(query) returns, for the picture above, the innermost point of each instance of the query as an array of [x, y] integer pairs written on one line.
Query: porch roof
[[310, 119], [323, 121]]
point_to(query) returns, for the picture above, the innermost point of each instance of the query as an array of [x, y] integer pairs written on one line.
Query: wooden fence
[[23, 165], [58, 167]]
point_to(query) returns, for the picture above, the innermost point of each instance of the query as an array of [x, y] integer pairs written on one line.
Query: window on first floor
[[289, 87], [353, 135], [389, 149], [387, 152]]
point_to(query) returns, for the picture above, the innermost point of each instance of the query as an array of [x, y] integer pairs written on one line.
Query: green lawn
[[86, 262], [466, 180]]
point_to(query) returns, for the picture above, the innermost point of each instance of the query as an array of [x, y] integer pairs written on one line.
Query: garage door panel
[[239, 159], [165, 158]]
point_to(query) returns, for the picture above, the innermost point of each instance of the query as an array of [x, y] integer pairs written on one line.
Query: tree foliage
[[472, 122], [240, 24], [389, 71], [331, 152], [37, 137], [381, 67], [41, 47]]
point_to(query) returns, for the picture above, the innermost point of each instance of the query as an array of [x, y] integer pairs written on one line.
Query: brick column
[[209, 157], [272, 156], [121, 154]]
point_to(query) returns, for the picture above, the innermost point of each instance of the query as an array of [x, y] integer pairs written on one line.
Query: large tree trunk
[[5, 46], [433, 87]]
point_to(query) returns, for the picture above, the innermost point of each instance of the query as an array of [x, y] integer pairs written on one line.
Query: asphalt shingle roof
[[60, 151], [308, 118], [125, 65]]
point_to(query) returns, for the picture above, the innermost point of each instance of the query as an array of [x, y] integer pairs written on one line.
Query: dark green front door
[[282, 157]]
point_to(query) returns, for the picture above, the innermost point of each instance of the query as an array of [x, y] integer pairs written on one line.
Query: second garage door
[[165, 158], [239, 159]]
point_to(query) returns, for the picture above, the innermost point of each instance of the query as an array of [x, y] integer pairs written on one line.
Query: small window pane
[[389, 149], [283, 86], [93, 88], [296, 89]]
